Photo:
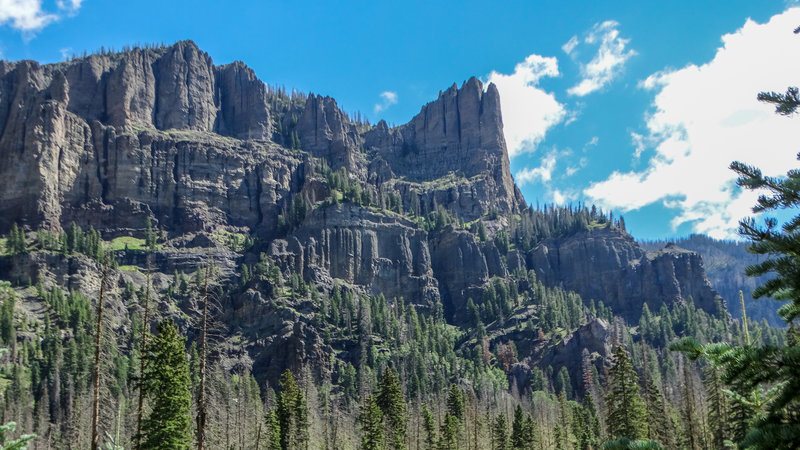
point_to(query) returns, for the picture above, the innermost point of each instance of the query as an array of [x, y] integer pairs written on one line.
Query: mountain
[[338, 248], [725, 262]]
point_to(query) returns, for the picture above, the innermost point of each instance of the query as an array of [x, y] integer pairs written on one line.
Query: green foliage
[[166, 382], [448, 433], [16, 243], [785, 104], [627, 444], [750, 369], [292, 412], [274, 431], [429, 425], [626, 409], [501, 241], [150, 238], [590, 433], [500, 433], [371, 420], [455, 402], [391, 401], [7, 303], [13, 444], [533, 225], [295, 215]]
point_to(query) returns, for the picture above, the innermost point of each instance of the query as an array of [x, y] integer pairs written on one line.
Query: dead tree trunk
[[98, 335]]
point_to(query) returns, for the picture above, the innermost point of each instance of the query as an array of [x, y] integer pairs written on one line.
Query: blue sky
[[637, 106]]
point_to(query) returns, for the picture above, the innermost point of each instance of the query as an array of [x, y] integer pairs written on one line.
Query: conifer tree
[[429, 425], [371, 420], [292, 413], [448, 433], [455, 402], [591, 434], [166, 382], [521, 436], [748, 369], [274, 436], [393, 404], [626, 409], [500, 433]]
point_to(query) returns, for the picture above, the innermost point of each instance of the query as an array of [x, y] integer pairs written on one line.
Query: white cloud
[[65, 53], [69, 5], [528, 111], [706, 116], [570, 45], [640, 143], [607, 63], [562, 197], [543, 173], [28, 16], [571, 170], [388, 98]]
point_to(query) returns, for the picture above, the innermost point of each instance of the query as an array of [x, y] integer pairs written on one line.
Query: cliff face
[[112, 140], [140, 129], [461, 134], [388, 255], [606, 264]]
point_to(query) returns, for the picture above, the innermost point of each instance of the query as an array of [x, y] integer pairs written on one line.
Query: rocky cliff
[[201, 151], [608, 265]]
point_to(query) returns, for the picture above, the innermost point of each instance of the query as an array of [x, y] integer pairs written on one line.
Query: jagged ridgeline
[[359, 258]]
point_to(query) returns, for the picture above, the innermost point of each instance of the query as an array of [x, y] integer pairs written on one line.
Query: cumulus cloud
[[28, 16], [570, 45], [528, 110], [703, 118], [607, 63], [388, 98], [543, 173]]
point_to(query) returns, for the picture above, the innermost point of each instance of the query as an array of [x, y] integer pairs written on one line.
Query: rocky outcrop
[[591, 343], [458, 135], [606, 264], [176, 87], [385, 253], [326, 132], [463, 265], [186, 181]]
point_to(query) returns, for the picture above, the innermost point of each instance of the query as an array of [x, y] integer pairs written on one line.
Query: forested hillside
[[222, 264], [725, 263]]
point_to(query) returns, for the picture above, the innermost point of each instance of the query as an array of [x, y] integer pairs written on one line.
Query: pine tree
[[749, 369], [500, 433], [591, 435], [519, 437], [429, 425], [14, 444], [448, 433], [393, 404], [626, 410], [371, 420], [150, 237], [718, 409], [166, 382], [292, 413], [455, 402], [658, 426], [15, 243], [274, 436]]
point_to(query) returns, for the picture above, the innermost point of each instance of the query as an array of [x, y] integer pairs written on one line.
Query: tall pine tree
[[626, 409], [167, 382], [292, 413], [393, 404]]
